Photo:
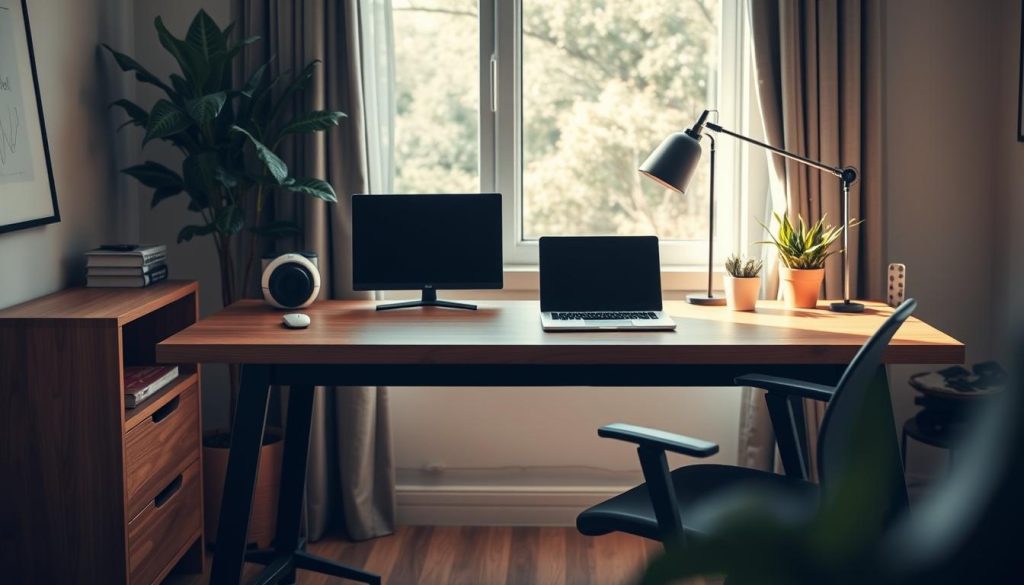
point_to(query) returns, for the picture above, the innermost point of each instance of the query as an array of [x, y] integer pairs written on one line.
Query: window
[[555, 103]]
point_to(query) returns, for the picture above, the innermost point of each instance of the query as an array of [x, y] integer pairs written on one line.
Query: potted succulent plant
[[227, 135], [742, 283], [802, 251]]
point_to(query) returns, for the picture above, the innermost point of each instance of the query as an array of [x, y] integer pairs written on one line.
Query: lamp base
[[705, 300], [847, 307]]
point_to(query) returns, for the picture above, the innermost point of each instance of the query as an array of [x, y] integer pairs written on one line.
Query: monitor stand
[[429, 299]]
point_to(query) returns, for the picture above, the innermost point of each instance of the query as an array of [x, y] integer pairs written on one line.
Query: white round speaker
[[290, 281]]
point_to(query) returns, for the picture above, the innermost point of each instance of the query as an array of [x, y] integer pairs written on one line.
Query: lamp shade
[[674, 162]]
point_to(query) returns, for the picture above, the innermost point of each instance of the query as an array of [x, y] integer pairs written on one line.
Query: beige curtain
[[819, 74], [351, 480]]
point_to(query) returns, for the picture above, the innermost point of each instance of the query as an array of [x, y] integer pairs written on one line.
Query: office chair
[[658, 508]]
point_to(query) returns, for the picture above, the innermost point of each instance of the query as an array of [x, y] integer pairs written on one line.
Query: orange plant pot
[[800, 288], [263, 518]]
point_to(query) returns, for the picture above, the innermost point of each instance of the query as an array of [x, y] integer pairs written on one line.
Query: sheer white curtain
[[377, 35]]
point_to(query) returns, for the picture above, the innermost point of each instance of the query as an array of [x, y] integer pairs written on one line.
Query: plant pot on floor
[[800, 288], [263, 519], [741, 293]]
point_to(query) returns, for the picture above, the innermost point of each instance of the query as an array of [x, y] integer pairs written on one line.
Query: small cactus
[[743, 267]]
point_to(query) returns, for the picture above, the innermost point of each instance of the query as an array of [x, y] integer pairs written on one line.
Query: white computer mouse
[[296, 320]]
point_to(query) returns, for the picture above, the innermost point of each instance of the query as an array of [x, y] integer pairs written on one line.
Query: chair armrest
[[788, 386], [653, 438]]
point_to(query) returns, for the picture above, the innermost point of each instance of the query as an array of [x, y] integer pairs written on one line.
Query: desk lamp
[[674, 162]]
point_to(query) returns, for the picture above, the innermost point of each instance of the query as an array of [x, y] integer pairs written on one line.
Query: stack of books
[[126, 265], [141, 382]]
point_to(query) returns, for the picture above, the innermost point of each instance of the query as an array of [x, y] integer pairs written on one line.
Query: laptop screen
[[600, 273]]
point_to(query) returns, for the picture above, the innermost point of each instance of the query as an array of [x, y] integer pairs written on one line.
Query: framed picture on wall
[[1020, 81], [27, 194]]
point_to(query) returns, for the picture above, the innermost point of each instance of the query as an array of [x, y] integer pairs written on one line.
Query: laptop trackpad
[[609, 323]]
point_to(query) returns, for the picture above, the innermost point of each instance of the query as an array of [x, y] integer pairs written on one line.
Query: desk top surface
[[509, 333]]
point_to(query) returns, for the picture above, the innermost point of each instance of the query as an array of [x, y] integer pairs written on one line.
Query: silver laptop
[[601, 283]]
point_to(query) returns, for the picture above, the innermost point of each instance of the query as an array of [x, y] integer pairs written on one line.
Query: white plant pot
[[741, 293]]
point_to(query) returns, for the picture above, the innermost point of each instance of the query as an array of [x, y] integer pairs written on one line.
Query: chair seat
[[632, 511]]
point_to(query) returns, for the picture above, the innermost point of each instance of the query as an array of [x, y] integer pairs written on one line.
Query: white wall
[[1009, 179], [76, 83], [943, 136]]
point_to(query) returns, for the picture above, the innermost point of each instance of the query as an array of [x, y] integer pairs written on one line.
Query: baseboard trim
[[496, 505]]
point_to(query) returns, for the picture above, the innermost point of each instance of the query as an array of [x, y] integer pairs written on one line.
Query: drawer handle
[[166, 410], [166, 493]]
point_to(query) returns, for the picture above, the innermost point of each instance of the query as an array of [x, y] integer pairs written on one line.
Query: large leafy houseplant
[[227, 136]]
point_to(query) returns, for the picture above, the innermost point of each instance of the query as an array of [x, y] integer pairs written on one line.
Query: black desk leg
[[293, 474], [288, 554], [243, 460]]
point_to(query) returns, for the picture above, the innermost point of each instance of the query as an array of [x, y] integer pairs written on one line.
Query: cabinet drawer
[[161, 447], [167, 525]]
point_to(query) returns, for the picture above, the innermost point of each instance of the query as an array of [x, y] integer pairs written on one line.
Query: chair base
[[281, 566]]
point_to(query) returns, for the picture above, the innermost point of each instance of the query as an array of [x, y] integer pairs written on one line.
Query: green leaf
[[165, 119], [225, 177], [200, 176], [230, 219], [254, 80], [190, 231], [204, 109], [313, 188], [298, 84], [163, 193], [155, 175], [276, 229], [804, 245], [137, 115], [181, 86], [205, 36], [127, 64], [235, 49], [315, 121], [191, 62], [271, 161]]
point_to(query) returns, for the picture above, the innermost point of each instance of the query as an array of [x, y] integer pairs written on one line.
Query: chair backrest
[[862, 404]]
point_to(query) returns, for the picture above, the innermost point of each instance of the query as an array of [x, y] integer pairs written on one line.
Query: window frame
[[500, 69]]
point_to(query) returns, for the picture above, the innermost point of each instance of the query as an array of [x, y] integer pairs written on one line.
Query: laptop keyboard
[[604, 315]]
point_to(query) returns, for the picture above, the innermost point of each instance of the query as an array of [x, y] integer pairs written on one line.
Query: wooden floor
[[469, 555]]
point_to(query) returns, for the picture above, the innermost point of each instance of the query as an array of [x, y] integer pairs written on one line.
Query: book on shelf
[[126, 255], [138, 281], [125, 270], [141, 382]]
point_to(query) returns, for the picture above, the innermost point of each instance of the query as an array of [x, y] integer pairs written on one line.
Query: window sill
[[523, 283], [673, 278]]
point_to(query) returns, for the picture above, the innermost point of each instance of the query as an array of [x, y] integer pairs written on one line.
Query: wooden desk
[[349, 343]]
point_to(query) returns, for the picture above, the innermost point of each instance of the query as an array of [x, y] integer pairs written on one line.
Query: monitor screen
[[600, 273], [403, 242]]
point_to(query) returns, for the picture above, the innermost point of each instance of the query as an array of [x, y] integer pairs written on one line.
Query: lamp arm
[[848, 175]]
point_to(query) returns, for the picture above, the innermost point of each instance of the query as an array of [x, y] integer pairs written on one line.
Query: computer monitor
[[426, 242]]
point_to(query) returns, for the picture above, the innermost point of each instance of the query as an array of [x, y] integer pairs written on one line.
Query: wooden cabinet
[[92, 492]]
